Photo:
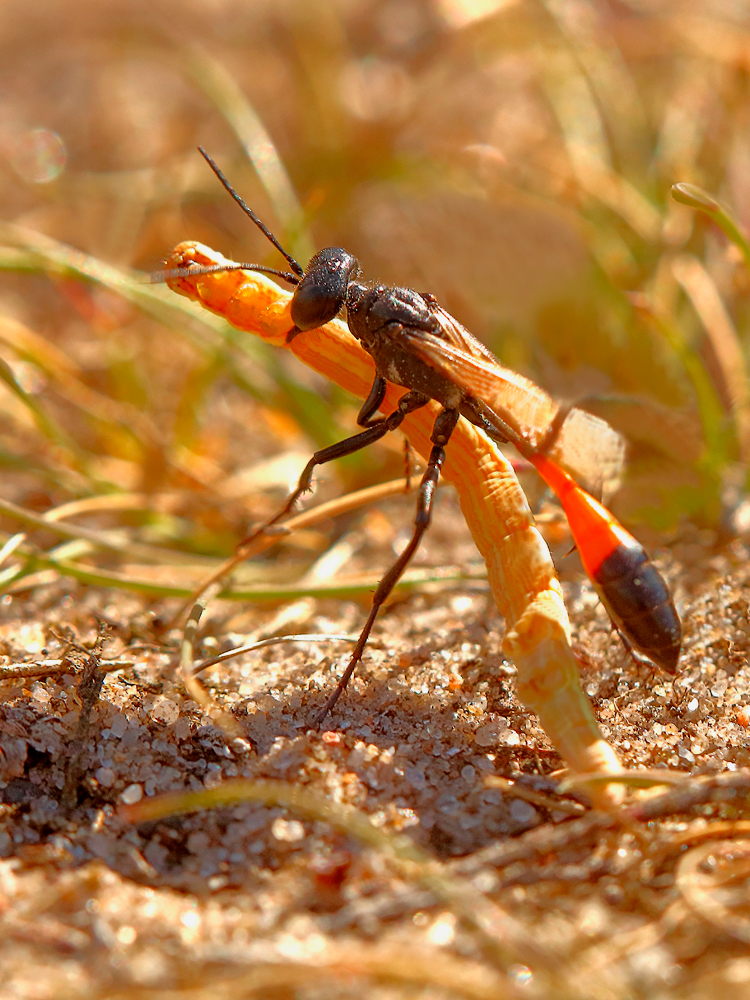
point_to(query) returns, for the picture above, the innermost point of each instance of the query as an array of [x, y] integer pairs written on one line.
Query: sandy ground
[[94, 906]]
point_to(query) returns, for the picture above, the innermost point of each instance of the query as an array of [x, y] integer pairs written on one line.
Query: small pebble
[[105, 776], [523, 812], [488, 735], [509, 738], [288, 830], [132, 794], [165, 710], [119, 726]]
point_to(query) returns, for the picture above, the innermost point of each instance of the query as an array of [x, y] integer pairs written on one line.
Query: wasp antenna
[[296, 268], [156, 277]]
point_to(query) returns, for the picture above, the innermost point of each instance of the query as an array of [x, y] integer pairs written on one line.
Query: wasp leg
[[441, 432], [371, 405], [377, 429]]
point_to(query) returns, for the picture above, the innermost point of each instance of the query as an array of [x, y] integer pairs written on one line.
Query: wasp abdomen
[[640, 604]]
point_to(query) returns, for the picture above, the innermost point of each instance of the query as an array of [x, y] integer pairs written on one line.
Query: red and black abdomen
[[629, 586]]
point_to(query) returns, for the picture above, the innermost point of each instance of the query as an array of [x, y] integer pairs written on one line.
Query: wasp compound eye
[[322, 292]]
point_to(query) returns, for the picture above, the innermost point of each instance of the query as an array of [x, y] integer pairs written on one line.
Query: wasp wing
[[518, 410], [449, 331]]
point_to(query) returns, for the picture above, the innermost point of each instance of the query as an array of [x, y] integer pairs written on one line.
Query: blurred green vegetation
[[515, 158]]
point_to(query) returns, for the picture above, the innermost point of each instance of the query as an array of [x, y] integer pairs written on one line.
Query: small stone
[[40, 693], [165, 710], [182, 729], [119, 726], [132, 794], [488, 735], [509, 738], [523, 812], [288, 830], [105, 776]]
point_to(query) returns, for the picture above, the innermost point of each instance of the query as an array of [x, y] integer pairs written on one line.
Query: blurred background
[[514, 157]]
